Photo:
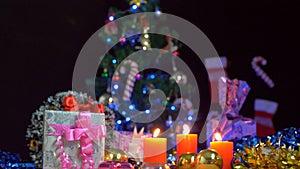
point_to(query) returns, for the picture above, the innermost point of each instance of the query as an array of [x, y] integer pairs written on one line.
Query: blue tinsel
[[10, 160], [289, 137]]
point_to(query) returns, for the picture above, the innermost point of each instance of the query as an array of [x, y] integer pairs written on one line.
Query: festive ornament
[[60, 101], [239, 165], [259, 72], [264, 112], [33, 144], [157, 11], [169, 121], [232, 95], [115, 155], [179, 77], [70, 103], [104, 99], [137, 2], [172, 160], [130, 79], [116, 77], [170, 47], [145, 41], [187, 161], [279, 150], [208, 158], [111, 28]]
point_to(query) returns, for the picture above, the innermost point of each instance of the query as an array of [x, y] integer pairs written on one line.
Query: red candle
[[225, 149], [186, 143], [155, 150]]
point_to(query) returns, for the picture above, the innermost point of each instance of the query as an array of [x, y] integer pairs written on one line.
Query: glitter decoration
[[232, 95], [279, 150], [13, 160]]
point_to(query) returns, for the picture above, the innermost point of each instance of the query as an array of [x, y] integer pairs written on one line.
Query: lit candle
[[224, 148], [186, 143], [155, 149]]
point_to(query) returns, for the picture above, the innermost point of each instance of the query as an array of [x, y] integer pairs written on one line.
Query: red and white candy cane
[[130, 79], [259, 72]]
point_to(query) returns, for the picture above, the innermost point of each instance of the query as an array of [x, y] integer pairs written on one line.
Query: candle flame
[[218, 136], [156, 132], [186, 129]]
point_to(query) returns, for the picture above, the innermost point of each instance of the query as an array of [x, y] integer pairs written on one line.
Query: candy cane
[[130, 80], [260, 72]]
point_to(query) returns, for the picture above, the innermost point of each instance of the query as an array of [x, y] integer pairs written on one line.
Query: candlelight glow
[[156, 132], [218, 136], [186, 129]]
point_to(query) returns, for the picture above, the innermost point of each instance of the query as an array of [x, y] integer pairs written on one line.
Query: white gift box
[[51, 159]]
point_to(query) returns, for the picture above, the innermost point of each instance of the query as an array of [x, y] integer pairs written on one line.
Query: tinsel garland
[[34, 135], [13, 160], [279, 150]]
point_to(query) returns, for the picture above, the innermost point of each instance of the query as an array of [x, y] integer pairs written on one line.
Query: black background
[[40, 41]]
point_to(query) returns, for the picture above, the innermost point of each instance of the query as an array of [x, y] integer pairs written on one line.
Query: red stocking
[[264, 112]]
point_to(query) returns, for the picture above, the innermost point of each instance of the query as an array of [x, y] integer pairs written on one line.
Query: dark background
[[40, 41]]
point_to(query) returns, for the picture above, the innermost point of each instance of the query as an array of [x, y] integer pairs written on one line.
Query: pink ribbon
[[83, 132]]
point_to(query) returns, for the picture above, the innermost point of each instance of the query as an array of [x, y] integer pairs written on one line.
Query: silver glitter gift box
[[227, 121], [72, 149]]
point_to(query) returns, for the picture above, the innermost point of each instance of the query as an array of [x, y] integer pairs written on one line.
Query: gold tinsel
[[267, 156]]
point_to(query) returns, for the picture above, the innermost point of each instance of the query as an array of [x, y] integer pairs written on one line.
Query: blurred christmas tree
[[138, 85]]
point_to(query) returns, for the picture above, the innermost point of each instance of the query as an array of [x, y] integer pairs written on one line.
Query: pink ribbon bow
[[84, 132]]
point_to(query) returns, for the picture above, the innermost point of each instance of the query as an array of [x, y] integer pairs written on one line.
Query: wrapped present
[[131, 142], [228, 122], [123, 138], [239, 127], [73, 139], [232, 95], [62, 101]]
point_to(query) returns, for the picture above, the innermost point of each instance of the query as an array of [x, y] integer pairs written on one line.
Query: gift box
[[73, 139], [228, 122], [240, 127], [130, 142], [232, 95]]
